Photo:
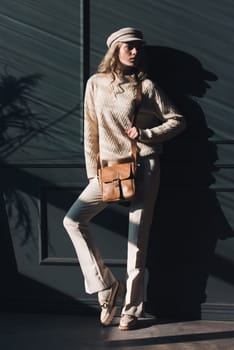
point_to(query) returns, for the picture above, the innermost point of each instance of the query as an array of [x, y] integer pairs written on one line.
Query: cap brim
[[132, 39]]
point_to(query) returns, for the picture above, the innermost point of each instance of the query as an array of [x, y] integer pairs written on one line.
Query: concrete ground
[[70, 332]]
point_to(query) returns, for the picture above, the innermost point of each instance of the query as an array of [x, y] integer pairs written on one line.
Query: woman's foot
[[107, 300], [127, 322]]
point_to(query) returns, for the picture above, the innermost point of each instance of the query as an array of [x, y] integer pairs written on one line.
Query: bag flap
[[117, 171]]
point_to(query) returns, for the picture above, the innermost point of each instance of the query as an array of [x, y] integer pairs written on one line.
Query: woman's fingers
[[132, 133]]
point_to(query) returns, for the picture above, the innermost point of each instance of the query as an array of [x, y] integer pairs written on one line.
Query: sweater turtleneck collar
[[127, 73]]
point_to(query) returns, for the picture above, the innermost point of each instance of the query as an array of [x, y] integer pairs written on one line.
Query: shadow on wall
[[17, 121], [188, 219], [18, 124]]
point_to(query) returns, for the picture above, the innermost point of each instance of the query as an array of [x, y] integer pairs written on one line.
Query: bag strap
[[137, 102], [136, 110]]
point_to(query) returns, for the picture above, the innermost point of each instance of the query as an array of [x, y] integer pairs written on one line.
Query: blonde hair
[[110, 63]]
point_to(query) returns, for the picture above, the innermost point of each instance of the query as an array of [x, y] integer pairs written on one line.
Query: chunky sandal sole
[[110, 318], [127, 328]]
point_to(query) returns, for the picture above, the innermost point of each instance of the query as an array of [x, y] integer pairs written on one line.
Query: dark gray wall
[[47, 51]]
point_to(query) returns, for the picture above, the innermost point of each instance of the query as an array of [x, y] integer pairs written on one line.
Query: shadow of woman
[[188, 219]]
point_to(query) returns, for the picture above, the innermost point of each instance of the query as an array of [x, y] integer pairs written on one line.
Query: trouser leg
[[97, 276], [140, 220]]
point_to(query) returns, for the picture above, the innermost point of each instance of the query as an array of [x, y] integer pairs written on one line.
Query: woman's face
[[129, 53]]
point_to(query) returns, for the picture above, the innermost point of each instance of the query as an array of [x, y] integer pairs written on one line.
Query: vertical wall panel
[[42, 72]]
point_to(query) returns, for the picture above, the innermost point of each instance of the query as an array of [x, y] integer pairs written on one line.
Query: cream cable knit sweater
[[108, 111]]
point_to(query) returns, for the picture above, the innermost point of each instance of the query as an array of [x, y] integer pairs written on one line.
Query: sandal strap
[[104, 305]]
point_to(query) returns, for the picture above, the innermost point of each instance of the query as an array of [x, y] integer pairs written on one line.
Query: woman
[[109, 106]]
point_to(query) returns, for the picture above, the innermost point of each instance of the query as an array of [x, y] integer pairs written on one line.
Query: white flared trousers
[[97, 275]]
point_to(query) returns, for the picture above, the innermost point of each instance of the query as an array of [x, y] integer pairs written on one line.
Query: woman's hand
[[132, 133]]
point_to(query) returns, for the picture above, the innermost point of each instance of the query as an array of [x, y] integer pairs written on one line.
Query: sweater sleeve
[[91, 142], [172, 122]]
